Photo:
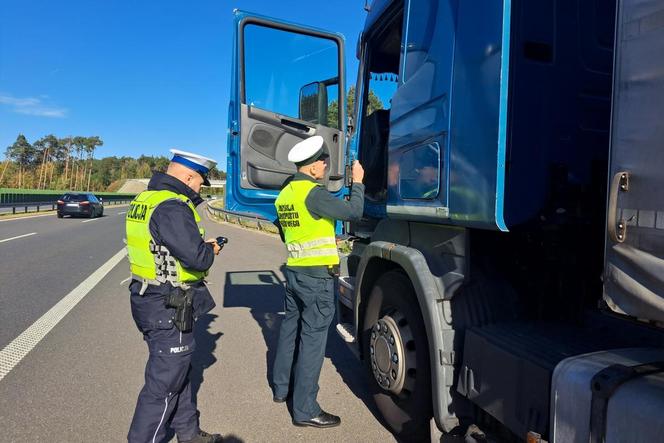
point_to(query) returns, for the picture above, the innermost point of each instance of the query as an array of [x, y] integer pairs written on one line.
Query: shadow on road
[[203, 358], [263, 293], [206, 343]]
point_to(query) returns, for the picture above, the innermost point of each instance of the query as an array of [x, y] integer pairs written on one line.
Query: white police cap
[[308, 149], [198, 163]]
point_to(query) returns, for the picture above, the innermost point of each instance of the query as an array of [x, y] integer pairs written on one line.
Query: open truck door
[[287, 85], [634, 263]]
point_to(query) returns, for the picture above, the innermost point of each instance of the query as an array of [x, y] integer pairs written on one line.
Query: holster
[[333, 270], [182, 300]]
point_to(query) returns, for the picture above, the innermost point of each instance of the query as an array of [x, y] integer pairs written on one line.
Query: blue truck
[[507, 277]]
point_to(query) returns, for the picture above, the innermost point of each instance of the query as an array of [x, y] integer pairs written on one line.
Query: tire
[[393, 325], [92, 213], [101, 212], [60, 215]]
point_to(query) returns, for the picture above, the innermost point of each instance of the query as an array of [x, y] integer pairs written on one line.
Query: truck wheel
[[396, 354]]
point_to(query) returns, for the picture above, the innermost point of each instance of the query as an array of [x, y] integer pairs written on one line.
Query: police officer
[[169, 260], [306, 214]]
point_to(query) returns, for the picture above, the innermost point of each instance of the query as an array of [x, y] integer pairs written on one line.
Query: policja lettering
[[137, 212]]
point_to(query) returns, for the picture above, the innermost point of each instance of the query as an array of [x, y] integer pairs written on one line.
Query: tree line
[[69, 163], [374, 103]]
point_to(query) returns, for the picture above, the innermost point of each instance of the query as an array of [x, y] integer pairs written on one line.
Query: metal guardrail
[[244, 220], [33, 196], [51, 203]]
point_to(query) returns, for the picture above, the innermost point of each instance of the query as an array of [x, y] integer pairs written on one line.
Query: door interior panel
[[262, 178], [267, 138], [263, 138]]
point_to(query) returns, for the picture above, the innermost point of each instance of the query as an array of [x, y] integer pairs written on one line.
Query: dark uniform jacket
[[173, 225]]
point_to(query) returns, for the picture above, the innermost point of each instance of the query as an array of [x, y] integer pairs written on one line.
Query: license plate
[[72, 204]]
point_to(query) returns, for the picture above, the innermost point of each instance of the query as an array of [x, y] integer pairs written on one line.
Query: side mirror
[[313, 103]]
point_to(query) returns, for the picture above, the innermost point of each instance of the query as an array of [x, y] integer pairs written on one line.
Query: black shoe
[[204, 437], [322, 420], [278, 399]]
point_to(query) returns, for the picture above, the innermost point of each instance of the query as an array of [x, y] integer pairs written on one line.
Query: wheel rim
[[392, 360]]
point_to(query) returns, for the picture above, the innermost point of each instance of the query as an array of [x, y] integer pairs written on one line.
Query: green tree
[[333, 108], [45, 148], [53, 146], [64, 155], [41, 151], [91, 144], [78, 144], [23, 154]]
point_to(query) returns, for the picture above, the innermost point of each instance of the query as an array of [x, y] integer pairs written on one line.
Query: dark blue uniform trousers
[[309, 312], [166, 396]]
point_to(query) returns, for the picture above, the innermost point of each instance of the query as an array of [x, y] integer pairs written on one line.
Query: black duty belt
[[332, 270]]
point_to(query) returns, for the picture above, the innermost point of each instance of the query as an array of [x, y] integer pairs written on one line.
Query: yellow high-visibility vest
[[310, 242], [149, 262]]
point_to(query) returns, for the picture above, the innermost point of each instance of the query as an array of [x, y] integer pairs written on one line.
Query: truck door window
[[381, 80], [419, 176], [281, 63]]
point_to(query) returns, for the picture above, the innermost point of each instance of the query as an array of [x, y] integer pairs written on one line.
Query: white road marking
[[123, 212], [14, 352], [92, 219], [125, 280], [18, 236]]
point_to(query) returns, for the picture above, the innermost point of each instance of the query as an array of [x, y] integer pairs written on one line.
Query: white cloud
[[32, 106]]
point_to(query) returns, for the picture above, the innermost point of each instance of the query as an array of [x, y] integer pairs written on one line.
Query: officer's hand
[[358, 172], [214, 244]]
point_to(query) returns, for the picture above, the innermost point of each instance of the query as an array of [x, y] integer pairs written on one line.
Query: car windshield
[[74, 197]]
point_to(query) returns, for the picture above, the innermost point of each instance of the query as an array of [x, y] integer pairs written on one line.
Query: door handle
[[617, 228], [298, 126]]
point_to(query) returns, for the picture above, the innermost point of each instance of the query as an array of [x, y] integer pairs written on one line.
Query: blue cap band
[[188, 163]]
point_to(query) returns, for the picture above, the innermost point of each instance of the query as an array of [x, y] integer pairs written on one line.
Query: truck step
[[347, 290], [346, 331]]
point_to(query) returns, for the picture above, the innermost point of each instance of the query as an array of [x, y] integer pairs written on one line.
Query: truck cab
[[507, 273]]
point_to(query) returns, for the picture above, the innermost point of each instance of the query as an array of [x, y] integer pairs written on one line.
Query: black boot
[[322, 420], [204, 437]]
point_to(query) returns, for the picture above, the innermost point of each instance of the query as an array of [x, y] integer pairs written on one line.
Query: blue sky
[[143, 75]]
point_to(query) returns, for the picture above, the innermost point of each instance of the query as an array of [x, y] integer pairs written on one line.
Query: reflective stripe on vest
[[149, 262], [309, 242]]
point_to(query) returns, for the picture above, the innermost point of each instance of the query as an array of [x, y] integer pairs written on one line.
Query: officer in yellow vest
[[169, 259], [307, 213]]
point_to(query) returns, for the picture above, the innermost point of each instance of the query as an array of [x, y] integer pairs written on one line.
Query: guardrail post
[[26, 209], [37, 208], [13, 210]]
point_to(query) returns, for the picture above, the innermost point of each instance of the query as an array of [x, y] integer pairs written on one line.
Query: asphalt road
[[80, 381]]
